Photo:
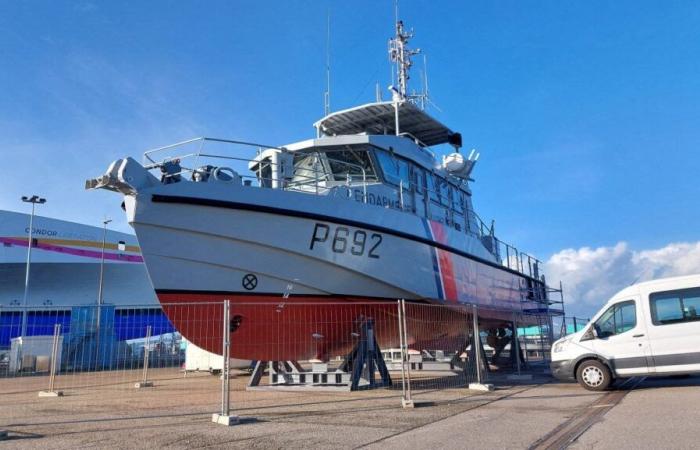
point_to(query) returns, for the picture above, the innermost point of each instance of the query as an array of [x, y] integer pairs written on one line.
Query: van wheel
[[593, 375]]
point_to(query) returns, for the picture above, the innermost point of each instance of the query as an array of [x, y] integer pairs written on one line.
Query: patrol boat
[[361, 214]]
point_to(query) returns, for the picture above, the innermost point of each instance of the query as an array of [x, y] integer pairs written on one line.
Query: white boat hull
[[195, 241]]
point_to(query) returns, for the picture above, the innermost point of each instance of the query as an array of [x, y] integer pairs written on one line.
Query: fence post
[[515, 347], [146, 356], [527, 357], [516, 342], [403, 359], [406, 400], [550, 337], [52, 370], [479, 385], [225, 418]]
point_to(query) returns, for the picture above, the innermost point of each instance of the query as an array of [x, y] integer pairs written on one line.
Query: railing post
[[225, 418], [479, 385], [52, 392], [316, 161], [146, 356], [364, 186], [406, 400]]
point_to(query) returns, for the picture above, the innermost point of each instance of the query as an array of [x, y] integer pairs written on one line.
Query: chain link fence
[[389, 353]]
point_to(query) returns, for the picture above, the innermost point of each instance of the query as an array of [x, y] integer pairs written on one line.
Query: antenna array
[[400, 54]]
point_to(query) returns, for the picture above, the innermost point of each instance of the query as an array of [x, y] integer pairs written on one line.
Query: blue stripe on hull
[[436, 266]]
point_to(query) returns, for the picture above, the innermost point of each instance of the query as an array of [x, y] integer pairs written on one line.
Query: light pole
[[34, 200]]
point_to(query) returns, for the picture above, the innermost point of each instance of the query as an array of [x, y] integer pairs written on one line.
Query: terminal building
[[65, 275]]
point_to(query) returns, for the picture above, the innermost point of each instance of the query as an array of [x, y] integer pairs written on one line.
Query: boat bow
[[126, 176]]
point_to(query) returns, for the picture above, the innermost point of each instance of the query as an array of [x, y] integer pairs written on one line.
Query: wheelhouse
[[387, 171]]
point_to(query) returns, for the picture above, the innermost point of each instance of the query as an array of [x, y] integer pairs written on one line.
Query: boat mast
[[327, 94], [400, 54]]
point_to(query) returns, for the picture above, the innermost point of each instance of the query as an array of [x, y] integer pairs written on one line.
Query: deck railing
[[320, 181]]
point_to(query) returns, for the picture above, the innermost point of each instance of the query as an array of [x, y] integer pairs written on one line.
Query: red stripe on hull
[[447, 272], [300, 328]]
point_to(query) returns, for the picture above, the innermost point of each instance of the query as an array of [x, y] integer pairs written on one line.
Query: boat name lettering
[[357, 242], [376, 199]]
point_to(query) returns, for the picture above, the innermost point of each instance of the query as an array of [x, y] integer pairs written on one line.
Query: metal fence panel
[[284, 355]]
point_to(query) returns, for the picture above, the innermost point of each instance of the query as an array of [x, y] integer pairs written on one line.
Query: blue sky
[[586, 113]]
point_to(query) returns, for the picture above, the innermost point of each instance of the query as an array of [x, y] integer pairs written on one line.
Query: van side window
[[675, 306], [618, 319]]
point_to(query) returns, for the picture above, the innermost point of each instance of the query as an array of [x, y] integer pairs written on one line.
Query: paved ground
[[106, 412], [658, 413]]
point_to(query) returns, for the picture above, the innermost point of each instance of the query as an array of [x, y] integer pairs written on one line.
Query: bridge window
[[306, 169], [395, 169], [419, 179], [355, 163], [432, 188]]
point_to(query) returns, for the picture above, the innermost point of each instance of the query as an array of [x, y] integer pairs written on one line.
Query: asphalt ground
[[176, 413]]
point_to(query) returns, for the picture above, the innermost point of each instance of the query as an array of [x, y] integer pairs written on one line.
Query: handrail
[[319, 179], [147, 153], [422, 145], [320, 174]]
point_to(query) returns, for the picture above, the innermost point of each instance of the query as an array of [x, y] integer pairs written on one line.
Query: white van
[[650, 328]]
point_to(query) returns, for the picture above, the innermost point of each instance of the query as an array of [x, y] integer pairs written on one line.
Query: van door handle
[[638, 335]]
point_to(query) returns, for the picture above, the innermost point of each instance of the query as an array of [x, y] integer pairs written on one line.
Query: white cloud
[[592, 275]]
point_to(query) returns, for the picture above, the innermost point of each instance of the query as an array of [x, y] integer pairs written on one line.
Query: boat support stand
[[358, 371]]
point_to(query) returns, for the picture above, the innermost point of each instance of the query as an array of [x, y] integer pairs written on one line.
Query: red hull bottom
[[272, 328]]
